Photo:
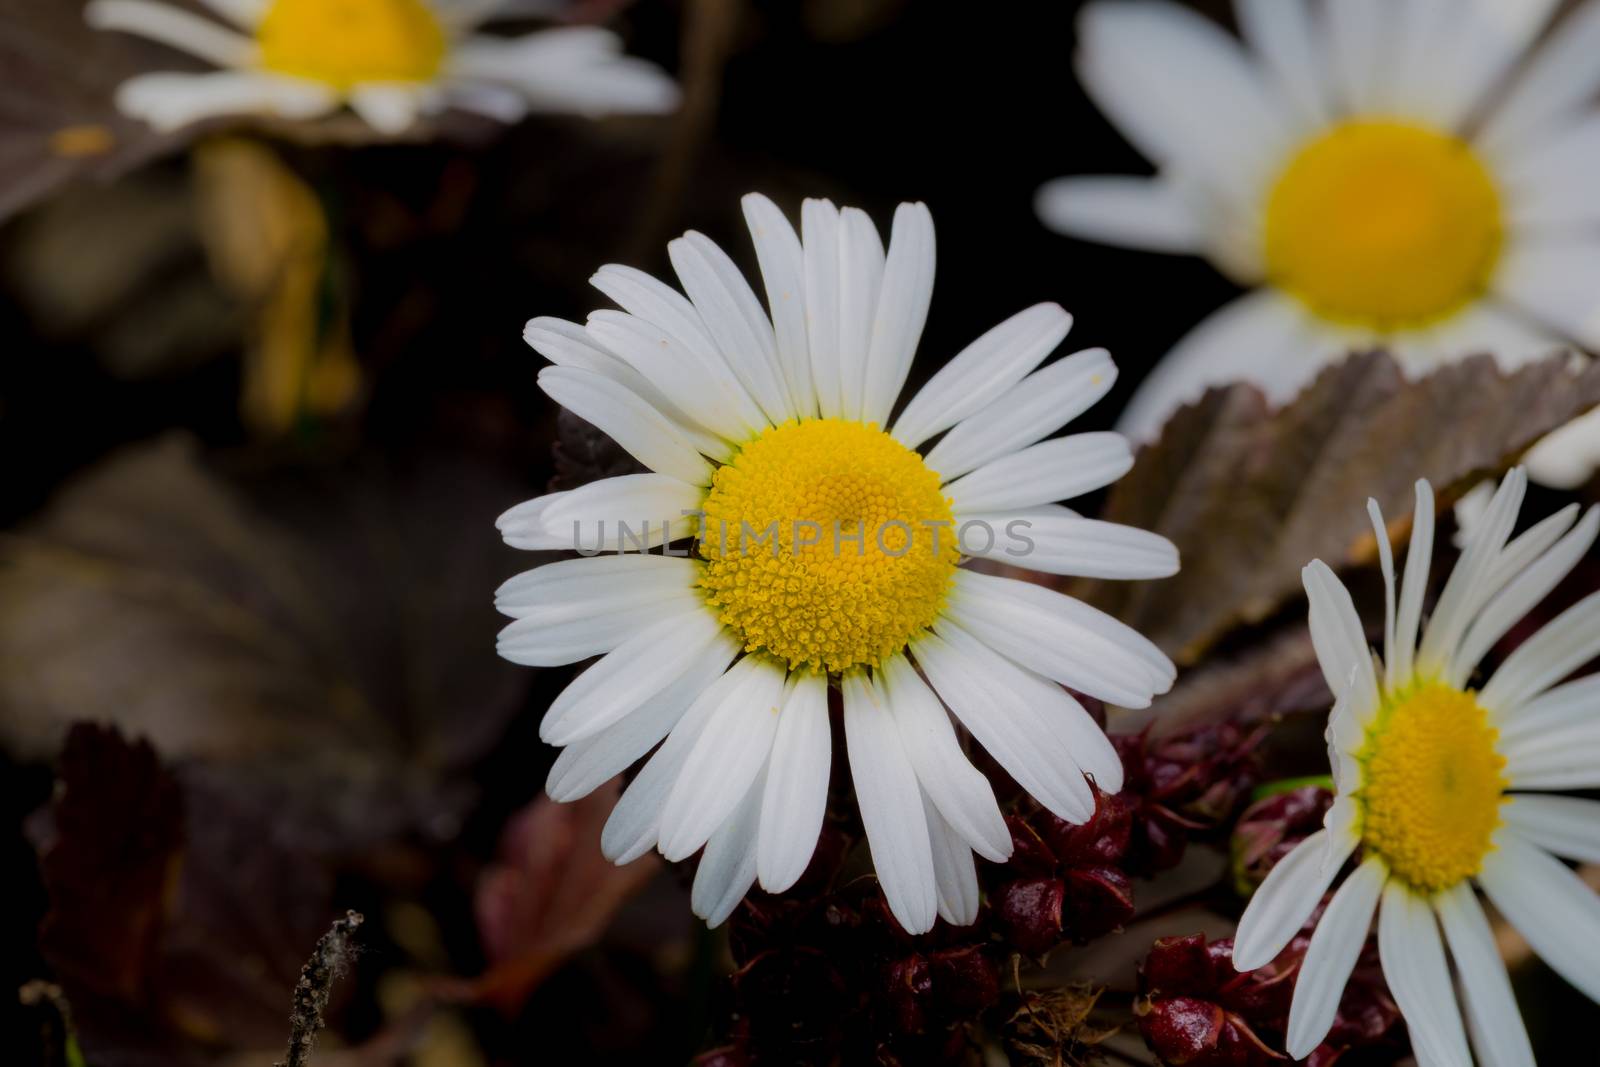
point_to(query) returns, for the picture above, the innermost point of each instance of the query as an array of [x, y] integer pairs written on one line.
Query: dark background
[[441, 252]]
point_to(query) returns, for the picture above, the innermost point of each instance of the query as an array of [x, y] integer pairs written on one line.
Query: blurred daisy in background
[[390, 61], [1440, 786], [1380, 174], [771, 428]]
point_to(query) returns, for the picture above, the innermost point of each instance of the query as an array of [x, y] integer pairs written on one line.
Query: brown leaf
[[1250, 495], [551, 894], [176, 913], [109, 857], [58, 120], [324, 637]]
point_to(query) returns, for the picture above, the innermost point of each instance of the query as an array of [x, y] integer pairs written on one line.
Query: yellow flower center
[[1384, 225], [344, 43], [1433, 784], [828, 544]]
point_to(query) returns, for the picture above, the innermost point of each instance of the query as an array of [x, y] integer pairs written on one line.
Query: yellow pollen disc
[[344, 43], [818, 546], [1384, 225], [1432, 786]]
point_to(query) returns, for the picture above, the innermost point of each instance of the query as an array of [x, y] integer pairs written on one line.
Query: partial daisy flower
[[1442, 786], [1379, 174], [391, 61], [827, 553]]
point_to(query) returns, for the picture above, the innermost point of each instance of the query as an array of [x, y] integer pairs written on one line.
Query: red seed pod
[[1270, 828]]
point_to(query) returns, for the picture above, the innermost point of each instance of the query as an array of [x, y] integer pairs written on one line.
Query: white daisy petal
[[902, 311], [796, 797], [563, 591], [1506, 334], [955, 875], [891, 806], [584, 766], [568, 344], [242, 13], [1549, 905], [783, 269], [1414, 585], [635, 671], [1497, 1030], [1061, 638], [1528, 546], [1544, 184], [819, 228], [982, 690], [1469, 586], [1568, 457], [1497, 36], [174, 27], [725, 760], [655, 508], [1044, 473], [1561, 78], [1284, 36], [1566, 758], [1557, 282], [388, 108], [523, 526], [1380, 533], [1521, 594], [1066, 544], [1335, 946], [1339, 639], [629, 420], [1414, 966], [1553, 710], [861, 264], [1286, 898], [734, 318], [1183, 91], [728, 868], [1564, 644], [497, 102], [697, 383], [982, 372], [1424, 33], [559, 635], [663, 307], [1029, 411], [1343, 815], [959, 790], [1249, 340], [1359, 35], [1152, 214], [171, 101], [635, 822], [1566, 826], [578, 69]]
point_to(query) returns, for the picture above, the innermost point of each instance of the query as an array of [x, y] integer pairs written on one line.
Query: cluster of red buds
[[1185, 786], [1072, 883], [826, 975], [1269, 829], [1195, 1010], [1064, 882]]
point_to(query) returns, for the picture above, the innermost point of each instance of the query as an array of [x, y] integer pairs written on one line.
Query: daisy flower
[[391, 61], [1441, 786], [826, 554], [1378, 174]]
